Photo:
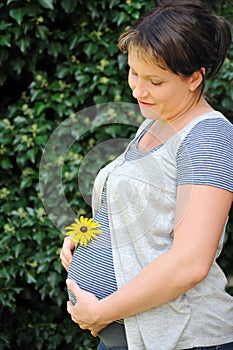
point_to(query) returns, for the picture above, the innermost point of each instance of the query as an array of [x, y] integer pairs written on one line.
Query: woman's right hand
[[66, 253]]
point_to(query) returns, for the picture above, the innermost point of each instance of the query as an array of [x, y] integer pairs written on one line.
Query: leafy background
[[58, 57]]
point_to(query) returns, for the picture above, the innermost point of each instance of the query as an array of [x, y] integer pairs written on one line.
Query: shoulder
[[205, 155], [210, 133]]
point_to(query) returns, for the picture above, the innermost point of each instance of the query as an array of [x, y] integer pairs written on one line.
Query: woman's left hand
[[84, 311]]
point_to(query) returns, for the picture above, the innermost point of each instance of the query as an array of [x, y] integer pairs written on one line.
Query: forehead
[[142, 60], [148, 64], [146, 55]]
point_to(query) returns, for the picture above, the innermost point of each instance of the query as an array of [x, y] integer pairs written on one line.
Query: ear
[[196, 79]]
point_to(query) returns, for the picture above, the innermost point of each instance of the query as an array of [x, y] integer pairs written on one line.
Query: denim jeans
[[113, 337], [228, 346]]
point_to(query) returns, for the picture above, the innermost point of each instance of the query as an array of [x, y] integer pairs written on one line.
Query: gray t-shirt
[[142, 193]]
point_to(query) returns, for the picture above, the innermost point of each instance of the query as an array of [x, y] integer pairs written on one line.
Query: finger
[[82, 326], [69, 243], [65, 263], [66, 253], [74, 288], [94, 333], [69, 307]]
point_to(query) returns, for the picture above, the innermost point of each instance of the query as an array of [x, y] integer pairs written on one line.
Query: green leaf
[[63, 72], [17, 14], [18, 249], [29, 277], [90, 49], [41, 140], [3, 77], [69, 5], [4, 55], [55, 48], [32, 9], [42, 32], [121, 18], [10, 1], [82, 78], [18, 65], [5, 40], [6, 164], [4, 25], [122, 60], [36, 95], [48, 4], [25, 183], [23, 44], [113, 3], [52, 279], [74, 41], [7, 139], [31, 154], [56, 97], [39, 108], [19, 120]]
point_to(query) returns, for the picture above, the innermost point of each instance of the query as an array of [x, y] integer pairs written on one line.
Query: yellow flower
[[83, 231]]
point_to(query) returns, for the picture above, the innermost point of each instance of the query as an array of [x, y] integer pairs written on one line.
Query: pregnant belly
[[92, 268]]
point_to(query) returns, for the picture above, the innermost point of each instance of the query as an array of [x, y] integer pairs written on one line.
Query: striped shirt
[[210, 149], [210, 162]]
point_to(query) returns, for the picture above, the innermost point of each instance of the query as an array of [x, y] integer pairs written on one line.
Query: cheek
[[166, 95], [129, 82]]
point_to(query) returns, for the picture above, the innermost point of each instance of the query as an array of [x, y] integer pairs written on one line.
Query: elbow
[[196, 274], [200, 274]]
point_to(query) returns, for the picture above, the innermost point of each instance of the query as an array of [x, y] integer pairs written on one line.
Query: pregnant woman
[[151, 281]]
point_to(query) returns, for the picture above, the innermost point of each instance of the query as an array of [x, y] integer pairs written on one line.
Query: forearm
[[164, 279], [196, 239]]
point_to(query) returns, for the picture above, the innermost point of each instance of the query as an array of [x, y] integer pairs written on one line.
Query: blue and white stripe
[[206, 155], [92, 266]]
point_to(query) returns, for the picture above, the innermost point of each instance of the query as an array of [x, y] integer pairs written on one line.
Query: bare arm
[[199, 223]]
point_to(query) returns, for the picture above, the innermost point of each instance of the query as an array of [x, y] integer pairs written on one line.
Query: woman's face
[[160, 93]]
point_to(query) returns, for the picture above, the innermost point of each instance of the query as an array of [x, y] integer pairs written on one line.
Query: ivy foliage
[[57, 58]]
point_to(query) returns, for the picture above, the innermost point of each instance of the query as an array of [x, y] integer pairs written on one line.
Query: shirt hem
[[212, 342]]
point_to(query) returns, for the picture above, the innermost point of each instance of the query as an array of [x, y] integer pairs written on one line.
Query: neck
[[164, 129], [190, 112]]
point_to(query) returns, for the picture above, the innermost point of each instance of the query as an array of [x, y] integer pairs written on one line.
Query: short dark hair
[[183, 34]]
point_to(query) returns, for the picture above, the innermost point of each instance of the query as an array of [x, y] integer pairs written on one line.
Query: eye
[[132, 71], [156, 83]]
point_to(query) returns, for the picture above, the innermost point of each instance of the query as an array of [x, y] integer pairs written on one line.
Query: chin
[[149, 113]]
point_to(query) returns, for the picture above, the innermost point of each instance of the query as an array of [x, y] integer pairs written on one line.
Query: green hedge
[[57, 58]]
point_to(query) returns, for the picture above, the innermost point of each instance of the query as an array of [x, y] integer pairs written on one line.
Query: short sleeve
[[206, 155]]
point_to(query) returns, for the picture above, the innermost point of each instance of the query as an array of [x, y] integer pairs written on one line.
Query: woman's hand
[[85, 310], [66, 253]]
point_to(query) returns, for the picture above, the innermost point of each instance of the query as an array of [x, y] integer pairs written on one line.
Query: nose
[[139, 90]]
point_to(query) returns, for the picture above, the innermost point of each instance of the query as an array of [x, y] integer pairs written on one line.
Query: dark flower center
[[83, 229]]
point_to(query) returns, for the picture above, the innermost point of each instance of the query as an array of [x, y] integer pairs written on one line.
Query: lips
[[145, 104]]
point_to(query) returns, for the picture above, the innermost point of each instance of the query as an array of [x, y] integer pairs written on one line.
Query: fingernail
[[68, 281]]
